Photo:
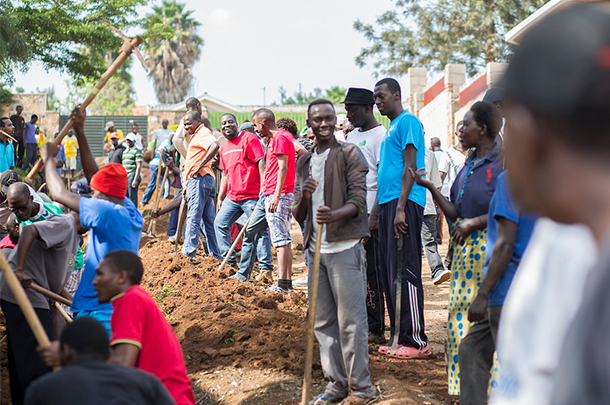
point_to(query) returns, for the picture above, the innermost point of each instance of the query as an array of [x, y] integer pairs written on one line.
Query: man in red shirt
[[200, 186], [242, 164], [141, 336], [274, 210]]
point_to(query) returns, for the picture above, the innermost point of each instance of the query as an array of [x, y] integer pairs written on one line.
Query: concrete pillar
[[417, 82], [455, 77], [418, 103], [495, 70]]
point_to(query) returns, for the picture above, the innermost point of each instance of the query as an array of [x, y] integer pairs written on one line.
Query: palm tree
[[170, 56]]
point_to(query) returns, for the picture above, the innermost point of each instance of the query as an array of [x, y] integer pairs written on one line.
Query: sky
[[251, 45]]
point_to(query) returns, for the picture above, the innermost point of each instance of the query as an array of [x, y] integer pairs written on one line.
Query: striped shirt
[[130, 157]]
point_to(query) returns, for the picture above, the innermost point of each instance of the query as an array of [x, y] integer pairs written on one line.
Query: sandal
[[407, 352], [385, 349]]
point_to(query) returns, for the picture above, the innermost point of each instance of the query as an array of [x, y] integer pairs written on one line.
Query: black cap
[[493, 95], [563, 63], [359, 96], [8, 177]]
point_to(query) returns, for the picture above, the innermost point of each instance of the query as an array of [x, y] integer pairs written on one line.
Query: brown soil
[[244, 345]]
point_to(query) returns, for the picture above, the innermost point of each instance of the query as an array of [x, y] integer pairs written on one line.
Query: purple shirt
[[30, 133], [474, 185]]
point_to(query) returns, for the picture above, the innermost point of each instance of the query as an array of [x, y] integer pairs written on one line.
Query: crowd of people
[[527, 301]]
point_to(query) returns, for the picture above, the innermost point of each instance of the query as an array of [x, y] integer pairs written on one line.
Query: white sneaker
[[301, 283]]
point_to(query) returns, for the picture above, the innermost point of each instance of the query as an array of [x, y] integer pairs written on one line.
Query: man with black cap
[[368, 136], [557, 102]]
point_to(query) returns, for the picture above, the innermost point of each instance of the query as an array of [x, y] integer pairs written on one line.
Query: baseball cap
[[109, 124], [359, 97], [114, 135], [563, 63], [8, 177], [131, 137]]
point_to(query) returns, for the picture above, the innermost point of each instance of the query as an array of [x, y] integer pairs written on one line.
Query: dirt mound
[[223, 322]]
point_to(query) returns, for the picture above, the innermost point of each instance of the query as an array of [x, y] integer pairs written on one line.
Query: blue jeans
[[256, 229], [200, 192], [152, 185], [229, 212], [31, 154], [132, 192]]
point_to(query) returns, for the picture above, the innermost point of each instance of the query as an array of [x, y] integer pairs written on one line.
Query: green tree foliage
[[171, 53], [336, 94], [6, 96], [56, 33], [436, 33]]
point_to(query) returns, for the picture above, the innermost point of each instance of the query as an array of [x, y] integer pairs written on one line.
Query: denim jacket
[[344, 182]]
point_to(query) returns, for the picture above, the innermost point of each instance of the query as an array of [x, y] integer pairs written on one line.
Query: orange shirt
[[199, 144]]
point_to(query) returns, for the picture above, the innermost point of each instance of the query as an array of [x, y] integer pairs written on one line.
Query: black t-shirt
[[116, 155], [94, 382], [19, 124]]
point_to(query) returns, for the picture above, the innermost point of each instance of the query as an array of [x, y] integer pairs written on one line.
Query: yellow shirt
[[107, 137], [70, 146]]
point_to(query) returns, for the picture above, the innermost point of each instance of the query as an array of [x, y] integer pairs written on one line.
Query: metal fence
[[95, 128]]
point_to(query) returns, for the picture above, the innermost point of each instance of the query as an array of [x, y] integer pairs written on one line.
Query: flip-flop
[[385, 349], [408, 352]]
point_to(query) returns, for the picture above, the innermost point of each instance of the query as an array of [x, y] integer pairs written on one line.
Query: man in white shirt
[[139, 139], [368, 136]]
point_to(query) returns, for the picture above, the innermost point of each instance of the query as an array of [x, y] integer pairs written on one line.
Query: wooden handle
[[235, 242], [118, 62], [24, 303], [51, 294], [8, 136], [313, 302], [62, 312], [181, 219], [159, 188]]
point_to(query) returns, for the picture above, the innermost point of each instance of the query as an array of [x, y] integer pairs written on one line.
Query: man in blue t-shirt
[[400, 210], [508, 233], [114, 220]]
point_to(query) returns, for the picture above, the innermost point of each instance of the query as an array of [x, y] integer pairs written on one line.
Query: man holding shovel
[[332, 191], [400, 209], [242, 165], [114, 220], [45, 255]]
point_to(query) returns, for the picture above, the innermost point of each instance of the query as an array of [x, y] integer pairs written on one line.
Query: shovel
[[153, 222], [399, 245]]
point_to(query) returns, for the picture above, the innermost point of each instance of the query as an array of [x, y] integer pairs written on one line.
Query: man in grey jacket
[[332, 184]]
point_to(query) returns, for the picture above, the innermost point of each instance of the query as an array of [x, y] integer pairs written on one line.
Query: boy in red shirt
[[141, 337]]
